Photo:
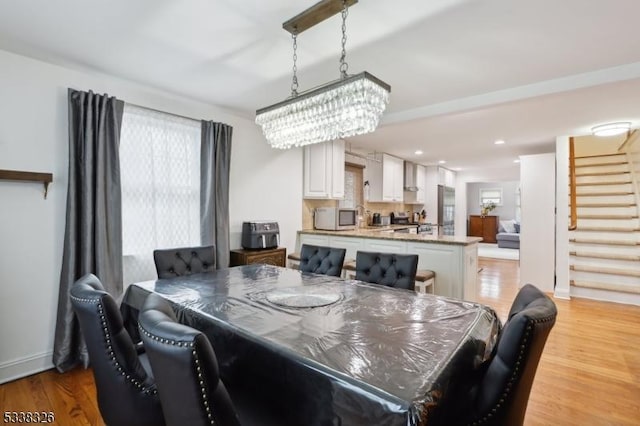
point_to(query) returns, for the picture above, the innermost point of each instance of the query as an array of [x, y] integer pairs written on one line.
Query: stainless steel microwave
[[335, 218]]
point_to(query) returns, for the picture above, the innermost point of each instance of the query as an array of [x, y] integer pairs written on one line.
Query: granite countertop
[[387, 233]]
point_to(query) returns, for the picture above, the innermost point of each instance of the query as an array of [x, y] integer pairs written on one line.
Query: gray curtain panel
[[93, 233], [215, 162]]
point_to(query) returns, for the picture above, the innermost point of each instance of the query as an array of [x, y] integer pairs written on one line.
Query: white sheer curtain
[[160, 179]]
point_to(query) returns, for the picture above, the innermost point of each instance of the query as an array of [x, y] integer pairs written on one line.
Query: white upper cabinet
[[446, 177], [386, 178], [337, 169], [324, 170]]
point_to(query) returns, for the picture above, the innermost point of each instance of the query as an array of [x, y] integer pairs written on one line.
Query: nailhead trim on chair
[[188, 345], [516, 370], [149, 390]]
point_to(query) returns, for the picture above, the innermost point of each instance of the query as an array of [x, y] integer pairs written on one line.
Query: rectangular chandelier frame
[[325, 88]]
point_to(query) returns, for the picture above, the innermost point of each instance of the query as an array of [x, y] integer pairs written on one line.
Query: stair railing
[[631, 147], [572, 184]]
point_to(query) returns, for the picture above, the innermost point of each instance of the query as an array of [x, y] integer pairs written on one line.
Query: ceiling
[[463, 72]]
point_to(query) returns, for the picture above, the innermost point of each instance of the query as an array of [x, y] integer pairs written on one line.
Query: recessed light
[[457, 169], [499, 142], [418, 152], [611, 129], [516, 161], [442, 161]]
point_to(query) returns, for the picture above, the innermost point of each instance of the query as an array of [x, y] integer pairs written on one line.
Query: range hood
[[410, 177]]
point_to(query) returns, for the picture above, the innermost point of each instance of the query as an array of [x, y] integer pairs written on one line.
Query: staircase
[[605, 246]]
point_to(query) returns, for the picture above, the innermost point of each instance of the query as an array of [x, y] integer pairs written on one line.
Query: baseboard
[[562, 293], [606, 296], [27, 366]]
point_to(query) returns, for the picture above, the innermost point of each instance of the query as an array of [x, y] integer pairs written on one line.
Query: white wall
[[537, 233], [563, 288], [507, 210], [265, 184]]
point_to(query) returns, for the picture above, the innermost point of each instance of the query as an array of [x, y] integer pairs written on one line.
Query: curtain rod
[[164, 112]]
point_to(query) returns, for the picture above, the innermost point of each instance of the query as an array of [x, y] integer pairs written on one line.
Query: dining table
[[330, 351]]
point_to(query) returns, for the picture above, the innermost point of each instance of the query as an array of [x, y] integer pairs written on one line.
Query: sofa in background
[[508, 234]]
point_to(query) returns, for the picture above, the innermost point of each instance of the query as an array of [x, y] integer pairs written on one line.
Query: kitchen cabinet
[[446, 177], [385, 246], [324, 170], [276, 257], [419, 196], [386, 178], [485, 227]]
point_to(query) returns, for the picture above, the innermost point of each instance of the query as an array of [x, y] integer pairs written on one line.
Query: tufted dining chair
[[176, 262], [186, 369], [322, 260], [389, 269], [501, 394], [125, 386]]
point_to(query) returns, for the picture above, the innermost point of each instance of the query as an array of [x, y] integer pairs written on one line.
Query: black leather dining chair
[[125, 387], [389, 269], [191, 396], [322, 260], [501, 394], [175, 262], [186, 369]]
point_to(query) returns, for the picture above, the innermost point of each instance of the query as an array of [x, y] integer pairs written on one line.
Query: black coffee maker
[[376, 219]]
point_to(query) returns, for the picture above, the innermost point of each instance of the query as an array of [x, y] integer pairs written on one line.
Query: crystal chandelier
[[349, 106]]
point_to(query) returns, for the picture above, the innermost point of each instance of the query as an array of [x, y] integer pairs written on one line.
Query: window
[[491, 196], [160, 180]]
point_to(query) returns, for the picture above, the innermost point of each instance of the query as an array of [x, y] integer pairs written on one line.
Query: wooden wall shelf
[[45, 178]]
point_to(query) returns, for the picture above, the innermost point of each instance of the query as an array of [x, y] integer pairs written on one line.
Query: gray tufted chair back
[[176, 262], [321, 260], [392, 270], [502, 394], [186, 369], [126, 389]]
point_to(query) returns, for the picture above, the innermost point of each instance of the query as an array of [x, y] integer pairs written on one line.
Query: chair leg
[[427, 286]]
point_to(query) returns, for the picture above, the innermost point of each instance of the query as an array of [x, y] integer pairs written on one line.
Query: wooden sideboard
[[276, 256], [485, 227]]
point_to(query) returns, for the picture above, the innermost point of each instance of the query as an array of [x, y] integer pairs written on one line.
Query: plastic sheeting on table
[[377, 356]]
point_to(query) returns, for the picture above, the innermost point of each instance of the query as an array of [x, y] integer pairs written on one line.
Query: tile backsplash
[[383, 208]]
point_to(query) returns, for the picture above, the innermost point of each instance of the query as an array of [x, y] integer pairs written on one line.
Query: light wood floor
[[589, 373]]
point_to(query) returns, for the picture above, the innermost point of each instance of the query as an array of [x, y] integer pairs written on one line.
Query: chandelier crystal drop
[[349, 106]]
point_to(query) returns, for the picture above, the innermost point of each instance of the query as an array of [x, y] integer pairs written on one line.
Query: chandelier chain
[[294, 81], [349, 106], [344, 67]]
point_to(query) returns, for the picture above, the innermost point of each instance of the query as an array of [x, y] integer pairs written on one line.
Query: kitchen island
[[453, 259]]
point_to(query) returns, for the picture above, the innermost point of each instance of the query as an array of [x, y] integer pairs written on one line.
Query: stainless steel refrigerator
[[446, 210]]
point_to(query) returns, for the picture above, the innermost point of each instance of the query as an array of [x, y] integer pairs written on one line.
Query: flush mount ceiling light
[[611, 129], [499, 142], [349, 106], [419, 152]]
